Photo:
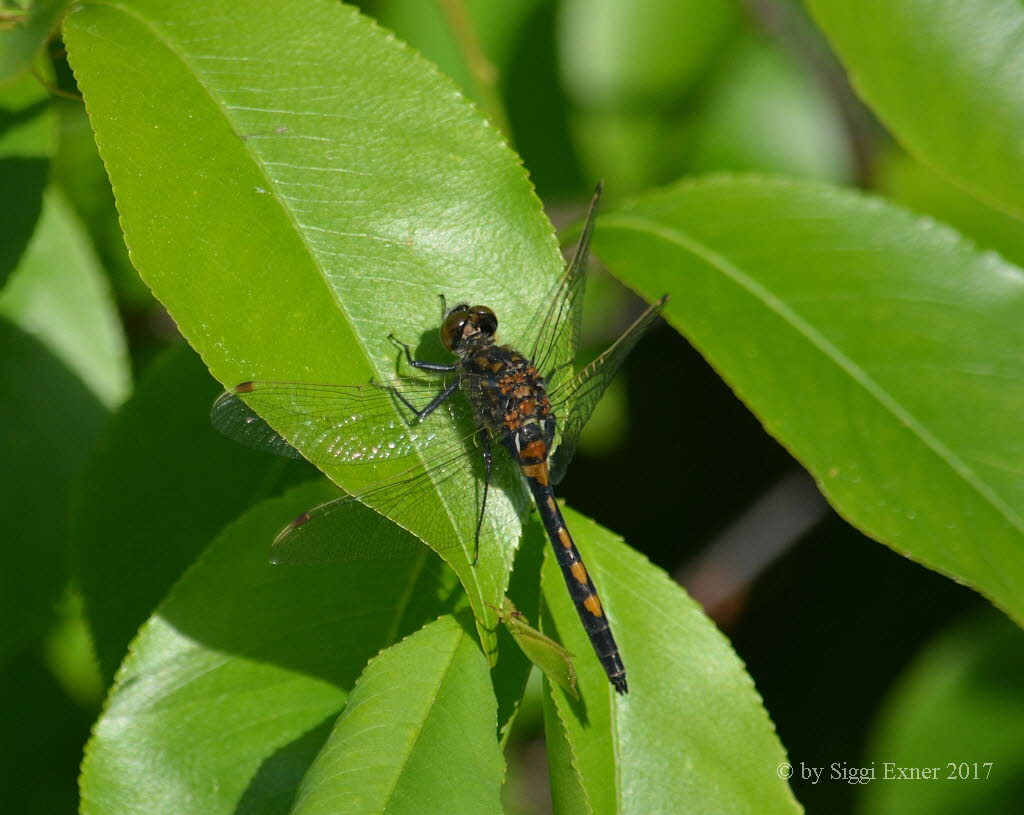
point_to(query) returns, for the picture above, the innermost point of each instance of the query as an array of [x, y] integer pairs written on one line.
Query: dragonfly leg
[[436, 367], [434, 404], [485, 443]]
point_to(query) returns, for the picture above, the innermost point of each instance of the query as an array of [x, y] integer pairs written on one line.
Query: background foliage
[[831, 195]]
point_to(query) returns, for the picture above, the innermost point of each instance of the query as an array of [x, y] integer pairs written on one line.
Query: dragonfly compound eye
[[451, 328], [484, 319]]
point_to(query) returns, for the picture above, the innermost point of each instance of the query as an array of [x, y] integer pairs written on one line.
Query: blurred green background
[[847, 641]]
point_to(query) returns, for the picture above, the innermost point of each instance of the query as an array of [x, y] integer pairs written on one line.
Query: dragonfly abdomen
[[581, 587]]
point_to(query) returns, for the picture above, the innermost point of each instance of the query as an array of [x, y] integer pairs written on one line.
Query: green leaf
[[762, 89], [160, 487], [62, 365], [456, 34], [417, 735], [324, 186], [78, 169], [945, 77], [25, 35], [623, 55], [27, 140], [227, 692], [50, 421], [691, 735], [512, 672], [911, 184], [957, 707], [568, 793], [41, 740], [880, 348], [544, 652], [60, 295]]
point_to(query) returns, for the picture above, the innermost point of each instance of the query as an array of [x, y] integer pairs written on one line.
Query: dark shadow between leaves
[[273, 788], [22, 181], [50, 422]]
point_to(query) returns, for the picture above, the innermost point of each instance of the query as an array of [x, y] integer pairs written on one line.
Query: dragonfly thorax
[[510, 397]]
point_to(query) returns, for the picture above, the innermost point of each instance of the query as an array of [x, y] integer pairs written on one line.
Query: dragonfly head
[[467, 327]]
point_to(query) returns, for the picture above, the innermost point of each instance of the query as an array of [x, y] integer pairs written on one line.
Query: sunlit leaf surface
[[295, 186]]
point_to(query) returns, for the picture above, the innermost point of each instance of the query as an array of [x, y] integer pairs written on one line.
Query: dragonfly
[[533, 405]]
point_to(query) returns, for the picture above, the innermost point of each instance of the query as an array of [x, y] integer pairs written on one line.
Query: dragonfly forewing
[[576, 399], [335, 424]]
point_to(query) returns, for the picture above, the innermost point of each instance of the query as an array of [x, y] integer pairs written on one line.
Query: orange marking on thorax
[[593, 605]]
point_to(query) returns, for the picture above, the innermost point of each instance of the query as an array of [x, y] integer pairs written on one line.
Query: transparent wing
[[564, 312], [574, 401], [437, 498], [358, 527], [352, 424]]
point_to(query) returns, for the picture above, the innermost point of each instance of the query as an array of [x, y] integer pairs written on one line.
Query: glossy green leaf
[[417, 735], [691, 735], [958, 709], [229, 690], [78, 169], [160, 487], [27, 140], [568, 793], [945, 76], [60, 295], [295, 186], [23, 35], [880, 348], [911, 184]]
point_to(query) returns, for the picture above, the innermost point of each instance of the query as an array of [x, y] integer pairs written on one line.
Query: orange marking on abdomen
[[564, 539], [538, 472], [579, 571], [593, 605], [535, 450]]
